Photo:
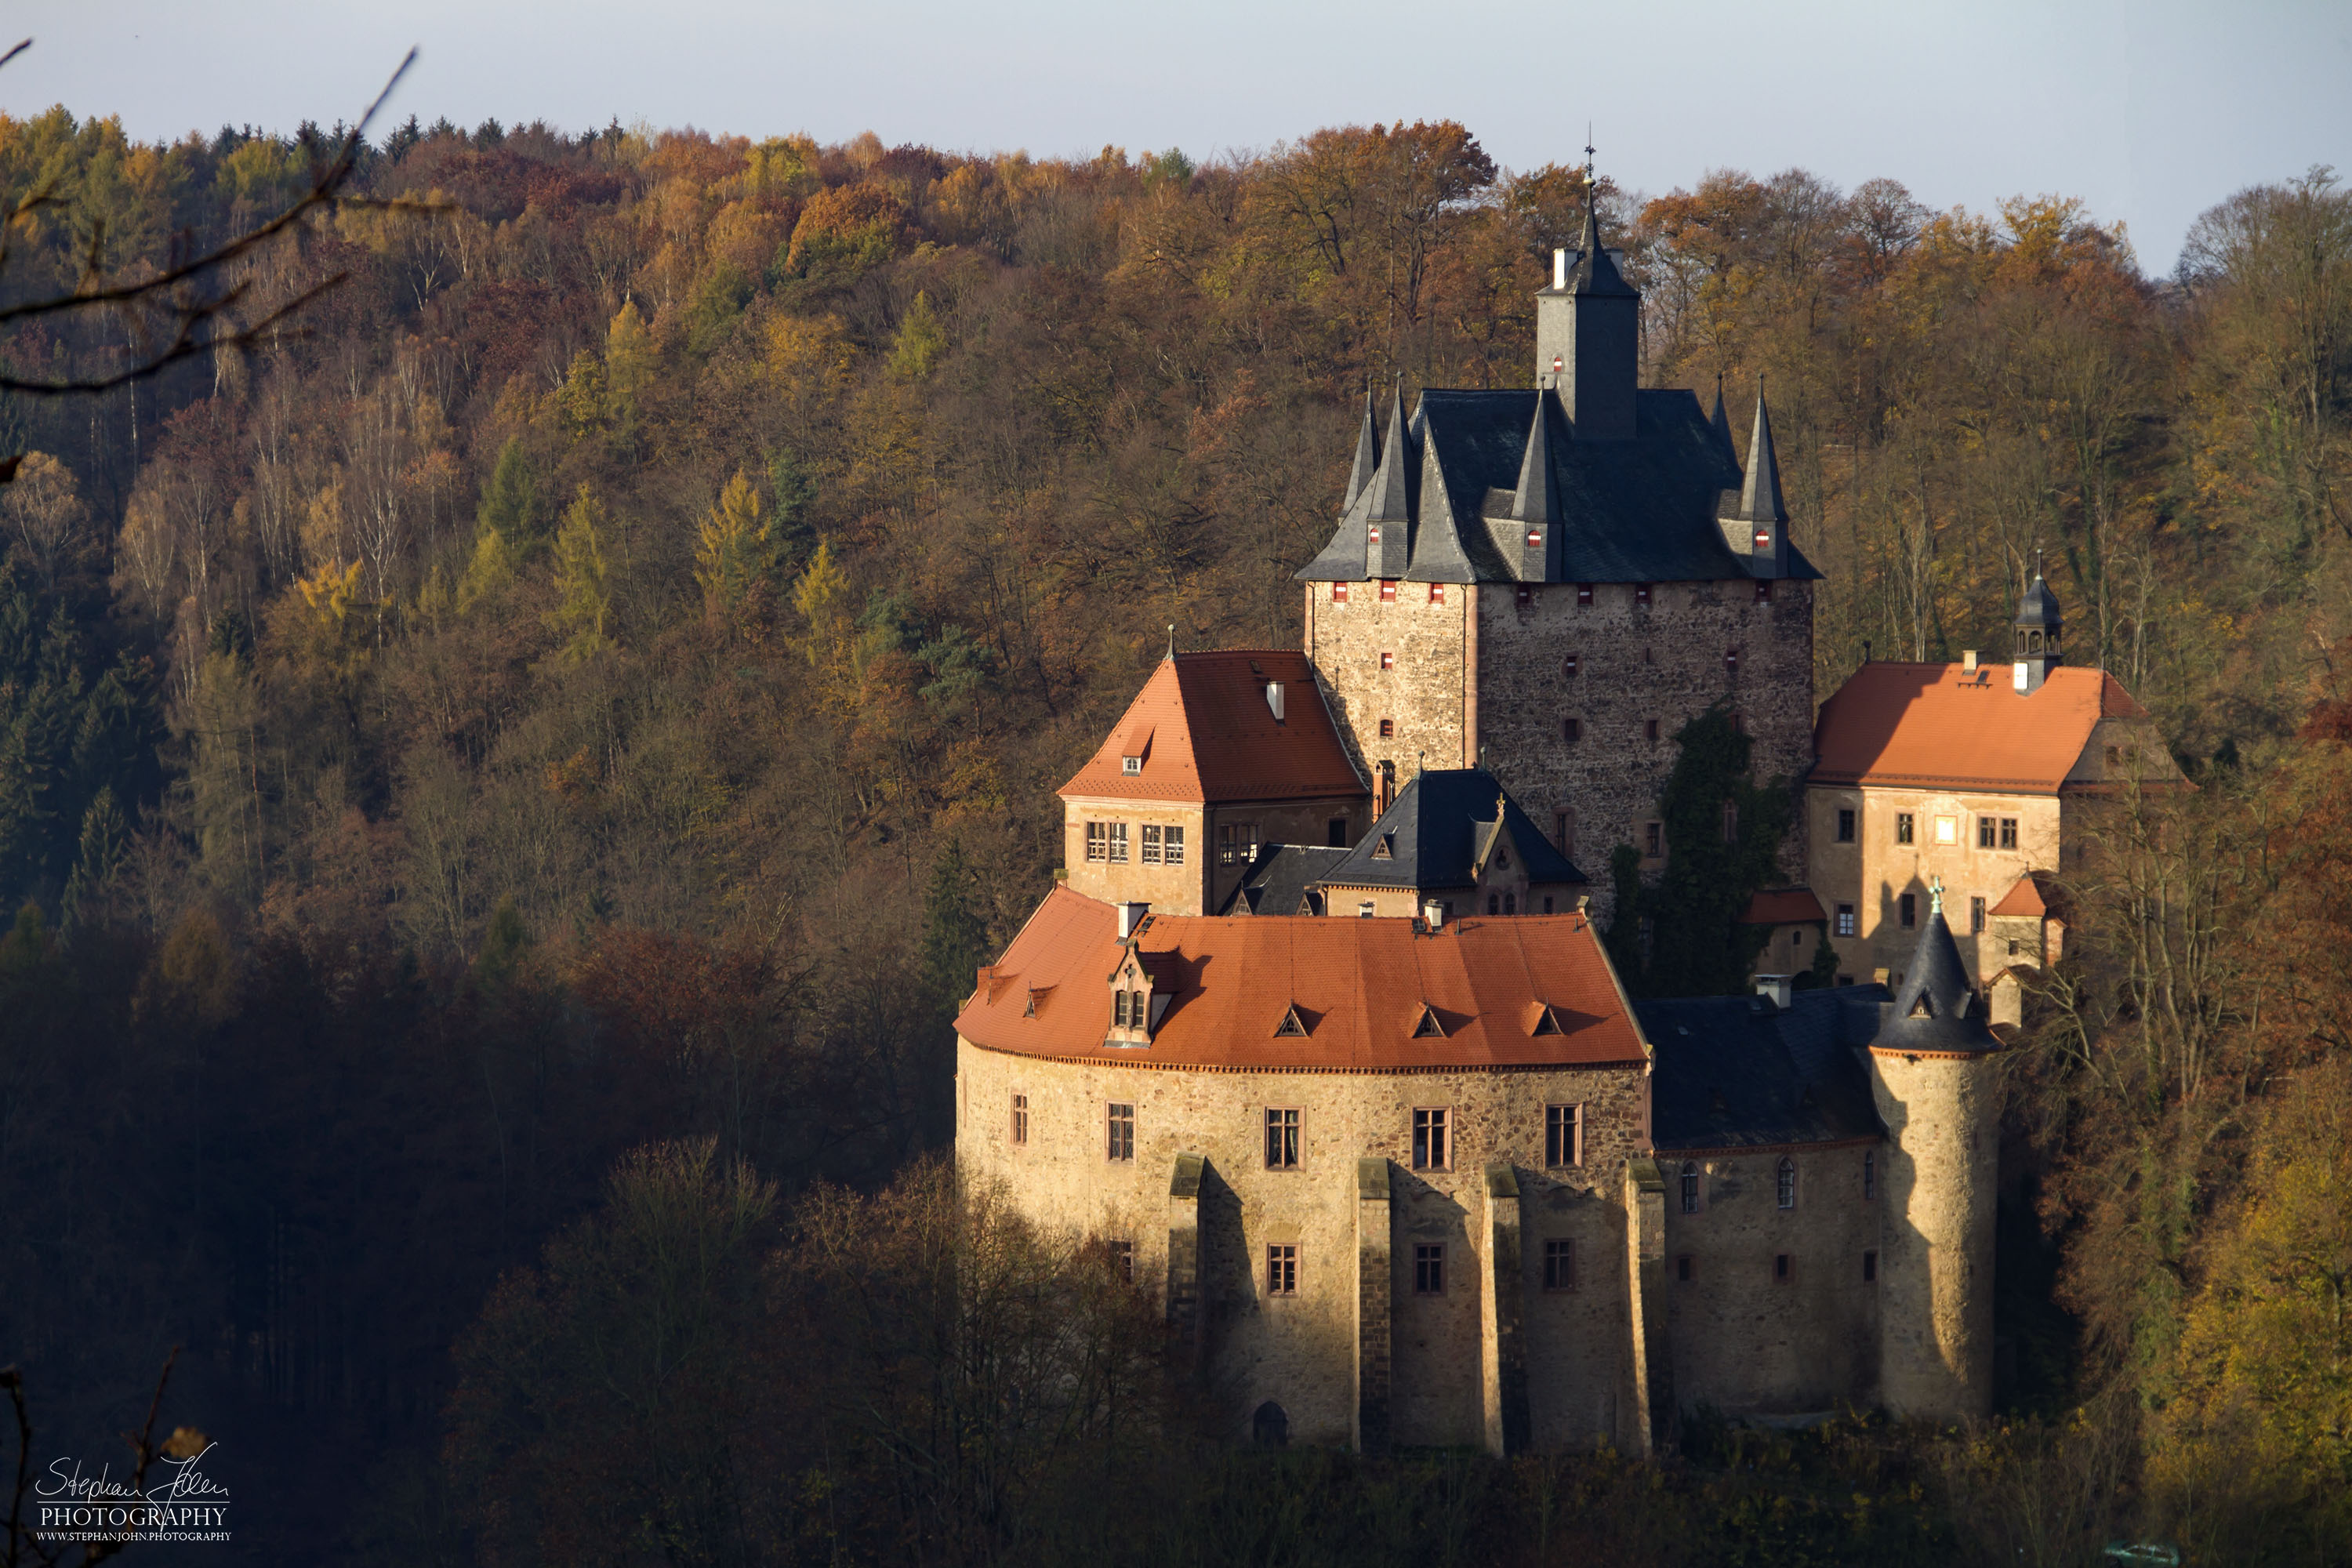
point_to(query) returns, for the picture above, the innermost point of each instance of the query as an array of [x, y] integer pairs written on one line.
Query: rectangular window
[[1563, 1135], [1948, 830], [1152, 844], [1560, 1265], [1282, 1271], [1388, 729], [1021, 1119], [1172, 839], [1780, 1269], [1571, 730], [1118, 1121], [1654, 839], [1430, 1149], [1975, 917], [1117, 843], [1906, 829], [1428, 1269], [1870, 1177], [1122, 1261], [1986, 828], [1869, 1268], [1225, 844], [1763, 589], [1118, 1009], [1563, 830], [1907, 910], [1693, 1197], [1584, 592], [1388, 590], [1097, 840], [1130, 766], [1650, 731], [1845, 924], [1535, 539], [1388, 659], [1281, 1139], [1338, 593], [2009, 833], [1731, 822], [1335, 833], [1570, 664], [1525, 597], [1845, 827], [1437, 593], [1684, 1272], [1642, 595], [1731, 661]]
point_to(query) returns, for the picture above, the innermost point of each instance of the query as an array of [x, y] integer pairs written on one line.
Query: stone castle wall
[[1935, 1261]]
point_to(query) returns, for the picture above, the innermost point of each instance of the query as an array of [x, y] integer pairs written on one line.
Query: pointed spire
[[1760, 497], [1533, 501], [1596, 273], [1721, 421], [1368, 453], [1393, 498], [1936, 1007]]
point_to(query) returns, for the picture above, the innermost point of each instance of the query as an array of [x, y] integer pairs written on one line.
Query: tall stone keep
[[1938, 1091]]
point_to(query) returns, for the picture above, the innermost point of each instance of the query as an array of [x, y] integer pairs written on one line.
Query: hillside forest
[[504, 780]]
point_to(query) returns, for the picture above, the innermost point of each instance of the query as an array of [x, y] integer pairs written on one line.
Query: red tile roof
[[2025, 898], [1940, 725], [1205, 733], [1783, 907], [1359, 985]]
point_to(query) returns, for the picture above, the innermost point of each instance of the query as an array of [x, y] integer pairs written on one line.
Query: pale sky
[[2151, 112]]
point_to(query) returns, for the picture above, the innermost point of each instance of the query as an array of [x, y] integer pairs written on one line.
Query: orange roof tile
[[1360, 986], [1203, 726], [1782, 907], [1941, 725], [2025, 898]]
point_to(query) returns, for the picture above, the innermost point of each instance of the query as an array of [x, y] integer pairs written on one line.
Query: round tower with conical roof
[[1932, 1072]]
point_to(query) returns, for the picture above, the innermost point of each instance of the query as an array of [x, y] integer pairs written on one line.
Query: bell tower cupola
[[1588, 337], [2038, 627]]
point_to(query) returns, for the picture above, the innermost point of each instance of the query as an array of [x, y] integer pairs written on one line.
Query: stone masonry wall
[[1203, 883], [1299, 1350], [1936, 1273], [1422, 694]]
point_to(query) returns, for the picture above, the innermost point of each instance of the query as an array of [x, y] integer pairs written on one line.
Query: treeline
[[595, 679]]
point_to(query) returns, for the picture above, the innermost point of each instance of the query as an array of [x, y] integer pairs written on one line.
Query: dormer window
[[1130, 766], [1372, 534]]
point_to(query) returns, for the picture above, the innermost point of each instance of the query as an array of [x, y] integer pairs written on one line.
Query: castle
[[1318, 1032]]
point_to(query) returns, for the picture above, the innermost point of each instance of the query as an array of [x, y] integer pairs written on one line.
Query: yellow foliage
[[734, 552]]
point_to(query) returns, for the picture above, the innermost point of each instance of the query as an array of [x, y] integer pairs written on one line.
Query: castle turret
[[1938, 1091], [2038, 625], [1588, 343], [1388, 525], [1756, 525], [1368, 456]]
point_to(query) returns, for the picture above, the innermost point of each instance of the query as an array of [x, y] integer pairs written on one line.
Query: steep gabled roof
[[1939, 725], [1436, 830], [1738, 1072], [1279, 879], [1936, 1009], [1206, 733], [1359, 986]]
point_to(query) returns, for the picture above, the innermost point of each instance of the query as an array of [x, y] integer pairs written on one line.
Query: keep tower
[[1550, 582]]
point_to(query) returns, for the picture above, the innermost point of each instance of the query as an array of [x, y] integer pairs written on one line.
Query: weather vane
[[1589, 164]]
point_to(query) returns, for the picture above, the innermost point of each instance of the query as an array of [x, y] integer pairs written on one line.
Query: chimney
[[1274, 699], [1559, 269], [1130, 917], [1775, 988], [1968, 660], [1433, 914]]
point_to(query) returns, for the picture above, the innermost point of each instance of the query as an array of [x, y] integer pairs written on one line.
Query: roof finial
[[1172, 639], [2037, 563], [1588, 153], [1935, 895]]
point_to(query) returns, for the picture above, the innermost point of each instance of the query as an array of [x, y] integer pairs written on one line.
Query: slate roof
[[1942, 725], [1642, 510], [1936, 1009], [1205, 732], [1360, 987], [1738, 1072], [1437, 830], [1280, 878]]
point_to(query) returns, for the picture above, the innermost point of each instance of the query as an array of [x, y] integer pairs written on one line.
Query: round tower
[[1938, 1091]]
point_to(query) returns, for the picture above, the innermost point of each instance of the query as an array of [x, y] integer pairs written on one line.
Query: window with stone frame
[[1388, 729], [1694, 1188], [1117, 843], [1097, 840], [1428, 1269], [1570, 664], [1338, 593], [1563, 1136], [1584, 592], [1388, 590], [1282, 1138], [1437, 593], [1986, 828], [1563, 829], [1731, 662], [1845, 827], [2007, 832], [1173, 843], [1846, 924], [1976, 916], [1433, 1149], [1388, 659], [1560, 1264], [1571, 730], [1152, 844], [1119, 1126], [1784, 1182], [1281, 1269], [1907, 828], [1650, 731], [1021, 1119]]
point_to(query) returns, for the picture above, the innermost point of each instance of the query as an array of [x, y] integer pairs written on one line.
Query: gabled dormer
[[1137, 1004]]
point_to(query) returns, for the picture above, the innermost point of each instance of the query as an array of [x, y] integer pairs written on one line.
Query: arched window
[[1493, 904], [1270, 1427], [1510, 903], [1786, 1172], [1690, 1186]]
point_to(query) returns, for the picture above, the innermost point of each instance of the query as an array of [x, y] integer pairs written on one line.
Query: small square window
[[1563, 1135], [1907, 910], [1905, 827], [1432, 1150], [1569, 666], [1388, 729], [1560, 1264], [1282, 1271], [1845, 827], [1021, 1119], [1684, 1270], [1650, 731], [1571, 731], [1388, 659], [1869, 1268], [1584, 592], [2009, 833], [1437, 593], [1642, 595], [1338, 593], [1388, 590], [1282, 1138], [1763, 589], [1119, 1132], [1845, 927], [1976, 916], [1654, 839], [1428, 1269]]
